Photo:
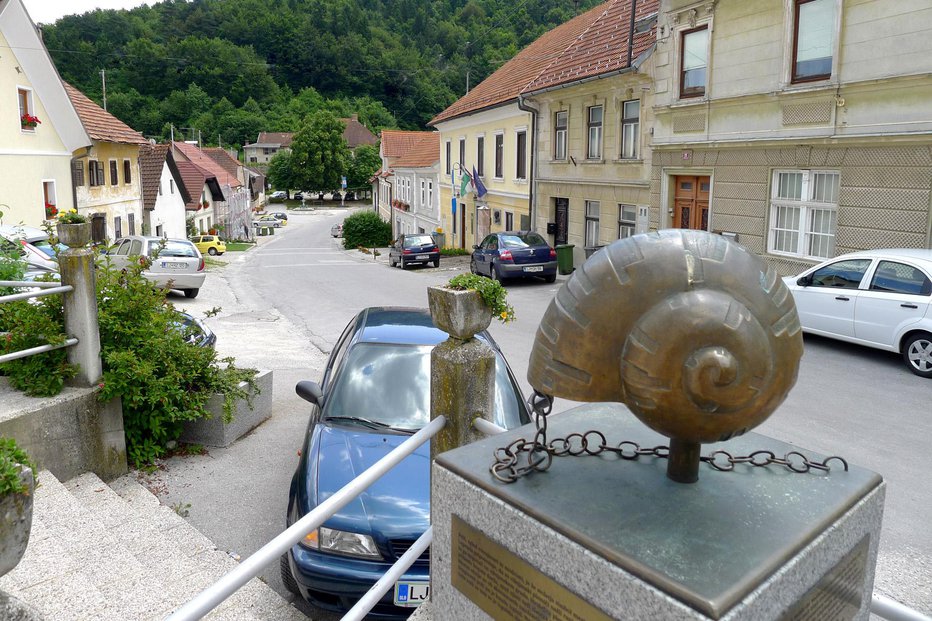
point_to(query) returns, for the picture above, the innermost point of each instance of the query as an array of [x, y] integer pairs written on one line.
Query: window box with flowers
[[50, 211], [29, 122], [205, 204]]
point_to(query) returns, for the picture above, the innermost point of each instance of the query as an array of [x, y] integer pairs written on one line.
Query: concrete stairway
[[113, 552]]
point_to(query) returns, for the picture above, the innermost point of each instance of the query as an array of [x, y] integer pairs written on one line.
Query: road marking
[[321, 264]]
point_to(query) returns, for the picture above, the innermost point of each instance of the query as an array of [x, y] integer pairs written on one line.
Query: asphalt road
[[286, 302]]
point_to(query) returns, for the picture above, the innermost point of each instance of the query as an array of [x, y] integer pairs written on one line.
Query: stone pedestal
[[603, 538]]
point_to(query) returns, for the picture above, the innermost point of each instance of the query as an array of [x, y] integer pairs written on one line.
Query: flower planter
[[74, 235], [15, 523], [461, 314]]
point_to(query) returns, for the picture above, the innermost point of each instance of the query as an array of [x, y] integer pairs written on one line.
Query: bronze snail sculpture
[[696, 335]]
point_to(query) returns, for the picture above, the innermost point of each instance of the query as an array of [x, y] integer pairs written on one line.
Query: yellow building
[[490, 129], [107, 181], [40, 131]]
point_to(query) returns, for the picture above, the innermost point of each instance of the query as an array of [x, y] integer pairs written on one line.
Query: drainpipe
[[634, 5], [532, 185]]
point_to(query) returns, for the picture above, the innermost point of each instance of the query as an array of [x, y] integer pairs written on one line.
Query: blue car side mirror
[[309, 391]]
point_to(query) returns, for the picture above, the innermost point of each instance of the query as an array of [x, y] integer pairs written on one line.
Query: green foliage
[[363, 165], [318, 152], [280, 173], [162, 380], [366, 228], [493, 294], [11, 458], [29, 325], [396, 64], [454, 252]]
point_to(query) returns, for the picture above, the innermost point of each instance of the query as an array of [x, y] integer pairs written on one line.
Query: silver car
[[175, 263]]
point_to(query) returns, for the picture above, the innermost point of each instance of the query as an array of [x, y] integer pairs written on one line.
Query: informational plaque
[[507, 587], [838, 595]]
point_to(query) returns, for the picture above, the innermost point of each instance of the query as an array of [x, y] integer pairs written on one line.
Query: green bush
[[162, 380], [11, 458], [366, 228], [454, 252]]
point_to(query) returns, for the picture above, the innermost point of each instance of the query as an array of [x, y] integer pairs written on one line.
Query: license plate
[[422, 257], [411, 594], [534, 268], [173, 266]]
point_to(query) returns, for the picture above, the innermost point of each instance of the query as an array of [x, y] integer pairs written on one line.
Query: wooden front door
[[691, 203], [563, 219]]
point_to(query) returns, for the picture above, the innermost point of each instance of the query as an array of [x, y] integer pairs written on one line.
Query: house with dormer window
[[800, 128], [40, 132]]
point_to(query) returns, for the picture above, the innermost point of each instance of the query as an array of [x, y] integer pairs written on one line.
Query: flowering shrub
[[492, 293], [71, 216], [29, 121]]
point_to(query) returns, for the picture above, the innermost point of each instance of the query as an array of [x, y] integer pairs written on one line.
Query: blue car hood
[[396, 506]]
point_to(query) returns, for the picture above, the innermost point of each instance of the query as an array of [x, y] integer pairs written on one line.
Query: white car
[[32, 244], [175, 263], [877, 298]]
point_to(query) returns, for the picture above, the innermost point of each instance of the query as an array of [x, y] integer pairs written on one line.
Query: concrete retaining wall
[[69, 434]]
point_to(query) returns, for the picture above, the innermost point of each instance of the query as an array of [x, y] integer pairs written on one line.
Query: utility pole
[[103, 80]]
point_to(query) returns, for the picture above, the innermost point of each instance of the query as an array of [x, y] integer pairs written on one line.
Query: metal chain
[[522, 457]]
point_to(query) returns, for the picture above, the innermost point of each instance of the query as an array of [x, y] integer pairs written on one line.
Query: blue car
[[514, 254], [375, 392]]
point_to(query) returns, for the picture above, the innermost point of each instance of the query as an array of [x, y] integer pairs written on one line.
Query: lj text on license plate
[[411, 594]]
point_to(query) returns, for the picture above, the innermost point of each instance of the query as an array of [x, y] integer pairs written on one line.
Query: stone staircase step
[[99, 551]]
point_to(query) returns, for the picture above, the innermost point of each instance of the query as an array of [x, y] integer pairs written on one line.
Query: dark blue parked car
[[375, 392], [514, 254]]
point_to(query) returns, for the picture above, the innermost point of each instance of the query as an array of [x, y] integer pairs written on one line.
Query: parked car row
[[171, 262]]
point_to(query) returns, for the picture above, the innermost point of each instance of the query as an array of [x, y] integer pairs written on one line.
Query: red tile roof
[[590, 44], [422, 154], [223, 159], [100, 124], [603, 47], [196, 156], [396, 142], [282, 139], [194, 179], [356, 133], [152, 157]]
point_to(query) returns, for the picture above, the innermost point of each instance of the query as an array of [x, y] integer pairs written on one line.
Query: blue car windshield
[[390, 384]]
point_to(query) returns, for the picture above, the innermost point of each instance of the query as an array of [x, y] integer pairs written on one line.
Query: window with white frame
[[694, 60], [594, 128], [448, 160], [630, 129], [592, 223], [462, 154], [27, 115], [627, 220], [813, 40], [117, 227], [499, 156], [423, 194], [559, 135], [95, 173], [521, 155], [430, 195], [804, 213]]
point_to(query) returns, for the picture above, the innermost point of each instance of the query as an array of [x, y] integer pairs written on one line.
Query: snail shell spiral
[[696, 335]]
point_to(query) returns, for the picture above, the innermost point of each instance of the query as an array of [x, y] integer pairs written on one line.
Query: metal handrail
[[368, 601], [212, 596], [892, 610], [46, 288]]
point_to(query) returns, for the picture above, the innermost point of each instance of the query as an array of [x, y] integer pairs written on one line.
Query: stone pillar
[[462, 368], [77, 270]]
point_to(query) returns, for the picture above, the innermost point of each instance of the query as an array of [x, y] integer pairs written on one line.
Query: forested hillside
[[231, 68]]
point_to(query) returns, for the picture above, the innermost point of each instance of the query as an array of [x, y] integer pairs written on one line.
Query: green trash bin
[[565, 258]]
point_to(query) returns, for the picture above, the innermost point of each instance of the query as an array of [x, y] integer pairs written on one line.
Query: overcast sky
[[47, 11]]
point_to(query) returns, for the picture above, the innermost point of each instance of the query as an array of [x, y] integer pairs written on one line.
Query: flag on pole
[[477, 182], [464, 182]]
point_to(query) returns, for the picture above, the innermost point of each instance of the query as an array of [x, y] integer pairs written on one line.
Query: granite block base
[[601, 538]]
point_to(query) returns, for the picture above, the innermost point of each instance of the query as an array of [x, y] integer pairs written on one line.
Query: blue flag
[[476, 181]]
